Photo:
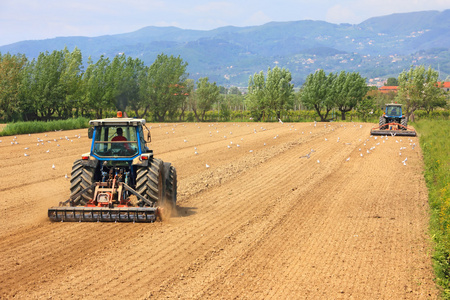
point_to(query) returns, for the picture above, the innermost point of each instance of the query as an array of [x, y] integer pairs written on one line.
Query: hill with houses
[[379, 47]]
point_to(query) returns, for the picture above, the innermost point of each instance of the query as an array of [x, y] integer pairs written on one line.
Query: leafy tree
[[391, 81], [71, 82], [366, 107], [188, 100], [418, 88], [348, 90], [271, 95], [207, 94], [98, 86], [47, 92], [165, 86], [317, 93], [126, 76], [11, 71]]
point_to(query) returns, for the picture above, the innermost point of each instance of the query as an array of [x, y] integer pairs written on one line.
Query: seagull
[[348, 159], [318, 161], [251, 151], [48, 151], [196, 152], [26, 148], [67, 177], [326, 139], [279, 120], [26, 154], [53, 167], [361, 154]]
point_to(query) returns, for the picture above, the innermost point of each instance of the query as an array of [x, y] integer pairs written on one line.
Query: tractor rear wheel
[[382, 122], [171, 183], [404, 122], [81, 178], [150, 181]]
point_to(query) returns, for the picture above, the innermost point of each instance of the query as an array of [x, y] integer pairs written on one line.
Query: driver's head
[[119, 131]]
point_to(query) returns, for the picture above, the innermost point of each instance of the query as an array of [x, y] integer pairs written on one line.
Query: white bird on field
[[348, 159], [67, 177], [207, 166], [53, 166], [26, 154], [251, 151], [318, 161], [48, 151]]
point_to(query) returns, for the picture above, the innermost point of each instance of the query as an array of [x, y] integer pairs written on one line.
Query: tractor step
[[103, 214]]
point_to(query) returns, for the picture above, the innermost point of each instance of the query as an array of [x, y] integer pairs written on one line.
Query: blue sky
[[41, 19]]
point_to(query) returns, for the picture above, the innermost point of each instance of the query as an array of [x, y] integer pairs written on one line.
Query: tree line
[[59, 85]]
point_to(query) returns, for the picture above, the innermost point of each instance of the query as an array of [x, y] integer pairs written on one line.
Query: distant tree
[[164, 89], [207, 94], [317, 93], [71, 82], [189, 93], [11, 71], [418, 88], [391, 81], [366, 107], [234, 91], [271, 95], [98, 86], [348, 89], [126, 75], [47, 84]]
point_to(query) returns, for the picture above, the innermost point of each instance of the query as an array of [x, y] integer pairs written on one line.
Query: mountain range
[[378, 47]]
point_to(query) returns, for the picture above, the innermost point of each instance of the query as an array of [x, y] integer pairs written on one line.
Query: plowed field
[[256, 218]]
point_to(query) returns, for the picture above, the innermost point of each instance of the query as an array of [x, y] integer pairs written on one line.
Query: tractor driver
[[394, 111], [120, 138]]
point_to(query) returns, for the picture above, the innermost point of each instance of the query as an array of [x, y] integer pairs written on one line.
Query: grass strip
[[435, 144], [42, 126]]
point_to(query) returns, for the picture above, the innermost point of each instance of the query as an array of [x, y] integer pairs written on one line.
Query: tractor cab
[[117, 138], [393, 111]]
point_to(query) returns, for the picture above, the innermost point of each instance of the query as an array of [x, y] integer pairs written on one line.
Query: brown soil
[[262, 222]]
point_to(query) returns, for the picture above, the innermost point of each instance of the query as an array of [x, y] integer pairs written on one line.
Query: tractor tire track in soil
[[261, 222]]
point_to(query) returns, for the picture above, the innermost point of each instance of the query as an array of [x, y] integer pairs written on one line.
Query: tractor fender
[[92, 162]]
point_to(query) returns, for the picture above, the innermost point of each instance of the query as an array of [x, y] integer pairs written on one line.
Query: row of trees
[[55, 85]]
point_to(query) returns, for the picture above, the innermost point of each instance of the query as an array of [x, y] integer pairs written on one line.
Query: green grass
[[41, 126], [435, 144]]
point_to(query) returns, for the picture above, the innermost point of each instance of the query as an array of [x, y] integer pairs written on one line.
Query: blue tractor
[[119, 180], [393, 122]]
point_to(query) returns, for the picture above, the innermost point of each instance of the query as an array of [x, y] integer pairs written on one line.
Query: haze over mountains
[[378, 47]]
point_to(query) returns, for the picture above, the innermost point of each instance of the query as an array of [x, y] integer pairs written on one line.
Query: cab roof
[[117, 122]]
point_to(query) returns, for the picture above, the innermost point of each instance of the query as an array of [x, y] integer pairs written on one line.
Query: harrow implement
[[393, 129], [101, 208], [103, 214]]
